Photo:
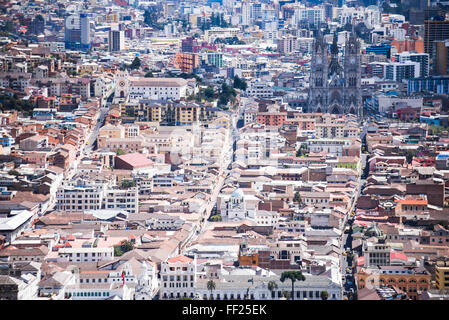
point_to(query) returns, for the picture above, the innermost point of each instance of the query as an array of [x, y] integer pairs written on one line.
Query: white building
[[80, 196], [309, 15], [376, 254], [260, 89], [178, 278], [125, 199], [334, 146], [150, 88], [250, 116], [85, 254], [236, 207]]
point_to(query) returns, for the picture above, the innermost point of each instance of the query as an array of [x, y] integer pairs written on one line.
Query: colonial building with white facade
[[150, 88], [178, 278]]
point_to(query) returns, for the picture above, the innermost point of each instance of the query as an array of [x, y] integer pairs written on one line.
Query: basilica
[[335, 88]]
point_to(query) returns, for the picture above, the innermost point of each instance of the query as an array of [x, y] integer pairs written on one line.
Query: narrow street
[[222, 176], [347, 270]]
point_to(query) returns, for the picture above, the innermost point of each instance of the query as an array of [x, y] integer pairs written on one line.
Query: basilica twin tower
[[333, 88]]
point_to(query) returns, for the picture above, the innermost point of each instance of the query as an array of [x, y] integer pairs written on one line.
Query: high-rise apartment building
[[434, 30], [77, 32], [421, 58], [116, 40]]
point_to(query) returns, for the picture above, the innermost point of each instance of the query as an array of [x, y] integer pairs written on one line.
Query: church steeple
[[334, 46], [320, 45], [334, 65], [335, 87]]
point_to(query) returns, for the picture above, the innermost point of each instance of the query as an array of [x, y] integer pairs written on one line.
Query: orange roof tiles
[[182, 259], [413, 202]]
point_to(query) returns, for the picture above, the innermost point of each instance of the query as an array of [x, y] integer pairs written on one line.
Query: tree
[[324, 295], [126, 246], [151, 16], [149, 75], [272, 285], [216, 218], [14, 172], [286, 294], [211, 286], [297, 198], [120, 152], [293, 276], [226, 95], [128, 184], [135, 64], [15, 103], [410, 154], [209, 93], [302, 151], [240, 83], [117, 251], [123, 247]]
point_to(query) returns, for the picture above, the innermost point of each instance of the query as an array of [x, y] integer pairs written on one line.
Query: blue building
[[77, 32], [433, 84], [6, 141], [384, 49], [435, 121]]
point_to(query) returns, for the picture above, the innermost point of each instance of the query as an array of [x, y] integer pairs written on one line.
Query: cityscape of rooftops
[[250, 150]]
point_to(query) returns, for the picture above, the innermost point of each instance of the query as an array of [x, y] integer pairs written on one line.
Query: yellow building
[[174, 114], [442, 275], [413, 280], [221, 122]]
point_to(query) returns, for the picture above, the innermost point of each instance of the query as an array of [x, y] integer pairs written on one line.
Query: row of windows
[[75, 207], [178, 278], [93, 280], [178, 285], [91, 294]]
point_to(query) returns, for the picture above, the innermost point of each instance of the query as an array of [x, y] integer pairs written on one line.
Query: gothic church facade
[[335, 88]]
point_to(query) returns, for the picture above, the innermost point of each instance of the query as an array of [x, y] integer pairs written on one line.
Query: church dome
[[373, 231], [237, 193]]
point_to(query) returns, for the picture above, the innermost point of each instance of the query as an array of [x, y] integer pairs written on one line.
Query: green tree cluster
[[128, 183], [227, 95], [240, 83], [14, 172], [185, 76], [123, 247], [135, 64], [297, 198], [211, 286], [120, 152], [14, 103], [229, 40], [209, 93], [293, 276], [216, 218], [150, 18], [436, 130]]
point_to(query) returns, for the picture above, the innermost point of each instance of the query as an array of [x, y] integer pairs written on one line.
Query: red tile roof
[[398, 255], [182, 259], [136, 160]]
